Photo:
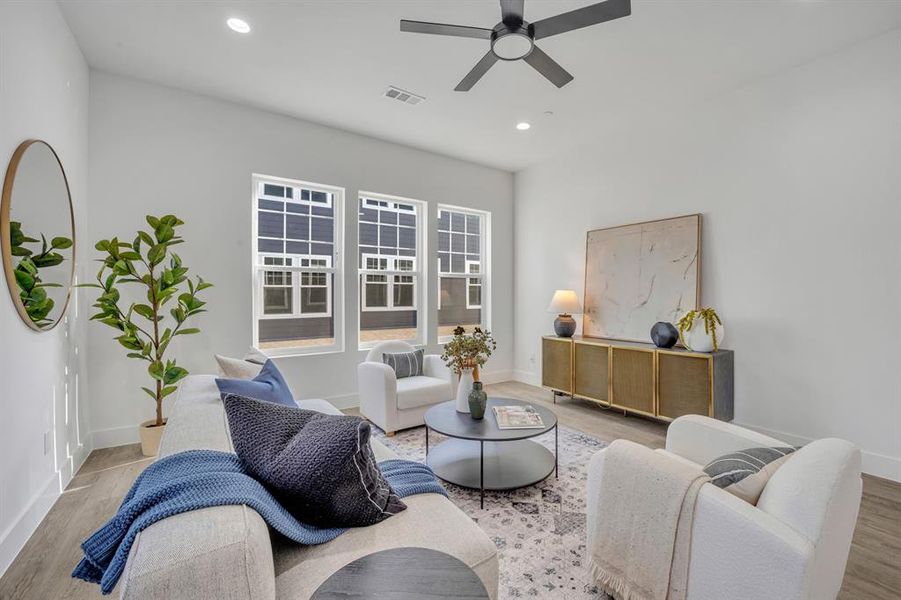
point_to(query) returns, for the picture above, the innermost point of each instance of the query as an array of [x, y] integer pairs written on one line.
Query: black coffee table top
[[445, 419], [403, 574]]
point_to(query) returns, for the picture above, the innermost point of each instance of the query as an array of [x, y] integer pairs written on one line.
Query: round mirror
[[37, 228]]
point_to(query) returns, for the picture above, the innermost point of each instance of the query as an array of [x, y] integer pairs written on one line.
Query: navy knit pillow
[[320, 467], [269, 385], [405, 364]]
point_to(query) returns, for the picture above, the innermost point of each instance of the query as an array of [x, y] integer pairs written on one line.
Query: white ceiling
[[330, 62]]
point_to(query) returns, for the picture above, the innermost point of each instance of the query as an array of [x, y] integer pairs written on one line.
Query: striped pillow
[[405, 364], [745, 473]]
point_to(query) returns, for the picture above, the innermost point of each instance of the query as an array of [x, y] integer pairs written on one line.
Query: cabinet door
[[683, 385], [556, 364], [590, 371], [633, 379]]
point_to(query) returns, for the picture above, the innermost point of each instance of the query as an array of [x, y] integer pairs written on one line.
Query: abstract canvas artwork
[[636, 275]]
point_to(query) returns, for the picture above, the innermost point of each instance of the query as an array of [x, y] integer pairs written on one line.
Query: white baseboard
[[116, 436], [13, 539], [489, 377], [24, 525], [526, 377], [872, 463]]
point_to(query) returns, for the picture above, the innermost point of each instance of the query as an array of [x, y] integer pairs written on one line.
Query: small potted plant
[[149, 264], [465, 354], [701, 330]]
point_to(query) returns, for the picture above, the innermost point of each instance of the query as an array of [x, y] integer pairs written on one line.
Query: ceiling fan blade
[[477, 71], [511, 11], [582, 17], [546, 65], [445, 29]]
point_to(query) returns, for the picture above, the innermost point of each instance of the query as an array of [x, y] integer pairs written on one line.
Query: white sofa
[[792, 546], [227, 552], [394, 404]]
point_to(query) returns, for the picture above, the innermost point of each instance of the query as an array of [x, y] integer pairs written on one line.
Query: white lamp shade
[[564, 301]]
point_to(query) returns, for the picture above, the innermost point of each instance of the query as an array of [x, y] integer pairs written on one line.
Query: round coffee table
[[481, 456], [403, 574]]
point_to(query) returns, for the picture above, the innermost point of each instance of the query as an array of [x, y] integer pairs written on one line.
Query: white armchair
[[395, 404], [793, 545]]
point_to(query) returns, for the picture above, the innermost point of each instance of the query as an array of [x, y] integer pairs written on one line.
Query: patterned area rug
[[539, 530]]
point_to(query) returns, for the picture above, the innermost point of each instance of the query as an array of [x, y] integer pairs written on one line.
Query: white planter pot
[[150, 437], [463, 389], [698, 340]]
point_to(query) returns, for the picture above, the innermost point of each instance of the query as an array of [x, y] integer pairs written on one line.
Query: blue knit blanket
[[201, 478]]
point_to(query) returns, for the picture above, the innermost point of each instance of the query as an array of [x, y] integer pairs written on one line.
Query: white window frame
[[390, 274], [470, 285], [264, 285], [484, 276], [418, 272], [296, 284], [334, 271]]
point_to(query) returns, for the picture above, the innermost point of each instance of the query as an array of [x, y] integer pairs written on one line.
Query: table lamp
[[565, 303]]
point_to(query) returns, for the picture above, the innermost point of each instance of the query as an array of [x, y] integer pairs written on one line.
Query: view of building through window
[[297, 307], [390, 269], [295, 259], [461, 248]]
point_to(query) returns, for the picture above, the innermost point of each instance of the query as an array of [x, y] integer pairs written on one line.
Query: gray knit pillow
[[405, 364], [320, 467], [745, 473]]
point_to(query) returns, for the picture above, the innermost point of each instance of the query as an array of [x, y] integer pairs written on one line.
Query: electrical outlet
[[48, 442]]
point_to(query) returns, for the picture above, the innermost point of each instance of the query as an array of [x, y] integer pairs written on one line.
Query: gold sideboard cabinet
[[640, 378]]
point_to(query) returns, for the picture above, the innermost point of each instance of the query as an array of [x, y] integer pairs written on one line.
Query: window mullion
[[297, 292]]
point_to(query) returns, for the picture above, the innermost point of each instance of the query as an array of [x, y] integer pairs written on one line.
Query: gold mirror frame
[[5, 242]]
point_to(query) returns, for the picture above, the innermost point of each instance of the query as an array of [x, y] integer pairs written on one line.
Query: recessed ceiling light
[[522, 126], [239, 25]]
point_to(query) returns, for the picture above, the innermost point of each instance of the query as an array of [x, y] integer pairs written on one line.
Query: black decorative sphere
[[664, 335]]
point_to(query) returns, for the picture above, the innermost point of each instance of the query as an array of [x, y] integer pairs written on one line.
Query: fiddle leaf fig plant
[[146, 329], [32, 289]]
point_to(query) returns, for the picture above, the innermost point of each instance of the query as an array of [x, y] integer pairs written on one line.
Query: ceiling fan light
[[512, 46]]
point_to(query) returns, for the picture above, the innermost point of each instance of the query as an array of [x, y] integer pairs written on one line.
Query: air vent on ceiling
[[404, 96]]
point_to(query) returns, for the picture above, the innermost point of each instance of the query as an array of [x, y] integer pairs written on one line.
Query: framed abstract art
[[636, 275]]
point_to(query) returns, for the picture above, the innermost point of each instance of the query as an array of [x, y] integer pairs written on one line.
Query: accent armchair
[[394, 404], [793, 545]]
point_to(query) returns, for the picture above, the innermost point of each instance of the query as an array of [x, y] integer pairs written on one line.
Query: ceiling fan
[[514, 38]]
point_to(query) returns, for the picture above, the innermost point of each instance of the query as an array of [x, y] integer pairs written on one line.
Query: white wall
[[158, 150], [43, 94], [799, 180]]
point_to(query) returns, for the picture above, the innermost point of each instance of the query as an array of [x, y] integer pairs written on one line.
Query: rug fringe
[[612, 584]]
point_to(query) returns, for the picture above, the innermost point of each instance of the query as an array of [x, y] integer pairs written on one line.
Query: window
[[473, 287], [390, 242], [463, 284], [296, 241], [278, 291]]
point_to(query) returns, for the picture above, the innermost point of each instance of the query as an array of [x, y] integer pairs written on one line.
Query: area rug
[[539, 530]]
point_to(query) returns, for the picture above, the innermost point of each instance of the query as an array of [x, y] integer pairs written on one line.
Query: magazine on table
[[517, 417]]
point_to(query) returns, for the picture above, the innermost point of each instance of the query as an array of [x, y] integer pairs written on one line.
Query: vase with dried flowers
[[465, 354], [701, 330]]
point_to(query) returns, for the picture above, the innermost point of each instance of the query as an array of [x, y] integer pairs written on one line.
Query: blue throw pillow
[[269, 385], [320, 467]]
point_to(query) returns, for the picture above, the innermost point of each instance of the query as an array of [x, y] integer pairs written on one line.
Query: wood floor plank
[[42, 570]]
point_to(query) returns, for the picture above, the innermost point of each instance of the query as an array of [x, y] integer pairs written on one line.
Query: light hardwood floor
[[42, 569]]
